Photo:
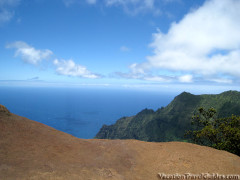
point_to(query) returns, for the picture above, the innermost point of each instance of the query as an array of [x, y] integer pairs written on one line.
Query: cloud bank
[[205, 45]]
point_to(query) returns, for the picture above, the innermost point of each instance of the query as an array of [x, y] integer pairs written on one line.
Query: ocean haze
[[79, 111]]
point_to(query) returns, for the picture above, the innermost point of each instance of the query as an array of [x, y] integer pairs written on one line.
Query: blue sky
[[136, 43]]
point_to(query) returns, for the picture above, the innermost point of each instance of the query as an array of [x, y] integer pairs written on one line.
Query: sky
[[125, 43]]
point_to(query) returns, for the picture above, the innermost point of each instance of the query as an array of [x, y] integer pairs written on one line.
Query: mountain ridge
[[170, 123]]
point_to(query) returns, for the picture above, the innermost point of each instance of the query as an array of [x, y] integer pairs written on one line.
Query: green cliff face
[[171, 122]]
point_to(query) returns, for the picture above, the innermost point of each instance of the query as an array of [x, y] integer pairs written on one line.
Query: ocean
[[80, 112]]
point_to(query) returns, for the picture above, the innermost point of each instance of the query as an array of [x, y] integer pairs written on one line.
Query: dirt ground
[[31, 150]]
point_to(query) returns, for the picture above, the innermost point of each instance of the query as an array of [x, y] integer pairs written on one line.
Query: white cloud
[[5, 16], [63, 67], [91, 1], [70, 68], [157, 78], [136, 69], [222, 80], [124, 49], [28, 53], [71, 2], [8, 2], [134, 6], [145, 3], [146, 77], [205, 43], [186, 78], [6, 12]]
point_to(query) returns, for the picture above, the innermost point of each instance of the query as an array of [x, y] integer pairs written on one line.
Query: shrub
[[219, 133]]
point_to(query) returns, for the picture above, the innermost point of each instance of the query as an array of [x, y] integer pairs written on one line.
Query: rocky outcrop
[[4, 110]]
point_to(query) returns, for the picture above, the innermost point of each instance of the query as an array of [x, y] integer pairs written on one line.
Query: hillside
[[170, 123], [31, 150]]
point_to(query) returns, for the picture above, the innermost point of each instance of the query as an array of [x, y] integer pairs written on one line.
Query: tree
[[219, 133]]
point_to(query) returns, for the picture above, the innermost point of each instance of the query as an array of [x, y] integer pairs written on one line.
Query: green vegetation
[[170, 123], [219, 133]]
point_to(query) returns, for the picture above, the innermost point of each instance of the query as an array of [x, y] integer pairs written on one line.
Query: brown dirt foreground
[[31, 150]]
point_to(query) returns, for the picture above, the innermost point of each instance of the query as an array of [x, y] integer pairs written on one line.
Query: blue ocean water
[[79, 111]]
